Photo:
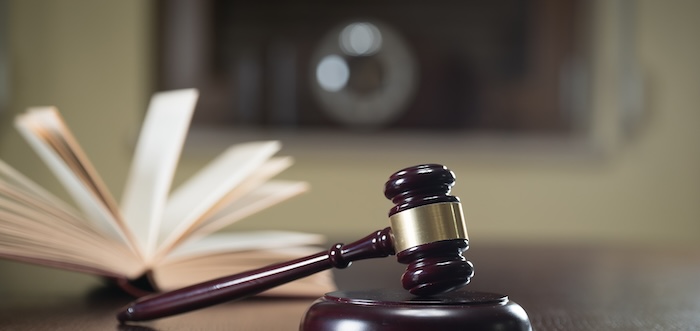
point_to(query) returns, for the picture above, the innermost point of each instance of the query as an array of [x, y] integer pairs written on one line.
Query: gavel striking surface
[[428, 233], [436, 268], [396, 310]]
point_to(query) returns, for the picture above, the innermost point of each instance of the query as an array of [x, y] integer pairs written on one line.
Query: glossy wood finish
[[419, 185], [395, 310], [436, 268], [562, 287], [242, 285], [433, 268]]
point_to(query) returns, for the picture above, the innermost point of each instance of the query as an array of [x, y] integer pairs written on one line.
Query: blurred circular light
[[360, 39], [332, 73]]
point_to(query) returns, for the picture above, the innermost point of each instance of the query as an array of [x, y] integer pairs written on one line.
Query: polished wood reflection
[[562, 287]]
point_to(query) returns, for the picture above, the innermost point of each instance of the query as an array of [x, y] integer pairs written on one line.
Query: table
[[562, 287]]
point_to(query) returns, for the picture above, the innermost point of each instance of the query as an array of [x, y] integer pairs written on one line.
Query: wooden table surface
[[561, 287]]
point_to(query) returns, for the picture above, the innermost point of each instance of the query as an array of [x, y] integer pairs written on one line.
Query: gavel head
[[428, 229]]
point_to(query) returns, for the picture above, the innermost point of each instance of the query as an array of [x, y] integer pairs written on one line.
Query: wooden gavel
[[427, 232]]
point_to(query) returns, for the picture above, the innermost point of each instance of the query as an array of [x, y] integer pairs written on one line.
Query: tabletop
[[562, 287]]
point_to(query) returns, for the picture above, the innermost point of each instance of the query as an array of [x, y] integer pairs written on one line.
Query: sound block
[[399, 310]]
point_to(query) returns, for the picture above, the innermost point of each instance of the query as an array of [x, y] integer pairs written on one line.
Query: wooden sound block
[[398, 310]]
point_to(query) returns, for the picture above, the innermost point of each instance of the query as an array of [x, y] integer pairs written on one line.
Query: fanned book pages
[[168, 236]]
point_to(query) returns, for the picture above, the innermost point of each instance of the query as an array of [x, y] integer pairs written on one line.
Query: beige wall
[[642, 189], [91, 59]]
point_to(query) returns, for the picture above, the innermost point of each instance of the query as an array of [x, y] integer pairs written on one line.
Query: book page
[[182, 272], [238, 165], [269, 169], [20, 183], [46, 133], [261, 198], [22, 237], [155, 160], [225, 242], [175, 276], [37, 227]]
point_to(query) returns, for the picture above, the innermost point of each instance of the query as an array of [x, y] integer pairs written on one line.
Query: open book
[[168, 236]]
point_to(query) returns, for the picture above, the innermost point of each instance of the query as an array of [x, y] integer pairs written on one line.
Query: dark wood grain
[[562, 287]]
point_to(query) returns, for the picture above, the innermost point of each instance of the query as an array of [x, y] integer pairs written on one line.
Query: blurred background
[[565, 121]]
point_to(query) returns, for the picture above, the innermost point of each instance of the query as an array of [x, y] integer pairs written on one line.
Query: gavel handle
[[238, 286]]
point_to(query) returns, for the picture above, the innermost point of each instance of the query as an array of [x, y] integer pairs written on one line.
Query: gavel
[[428, 233]]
